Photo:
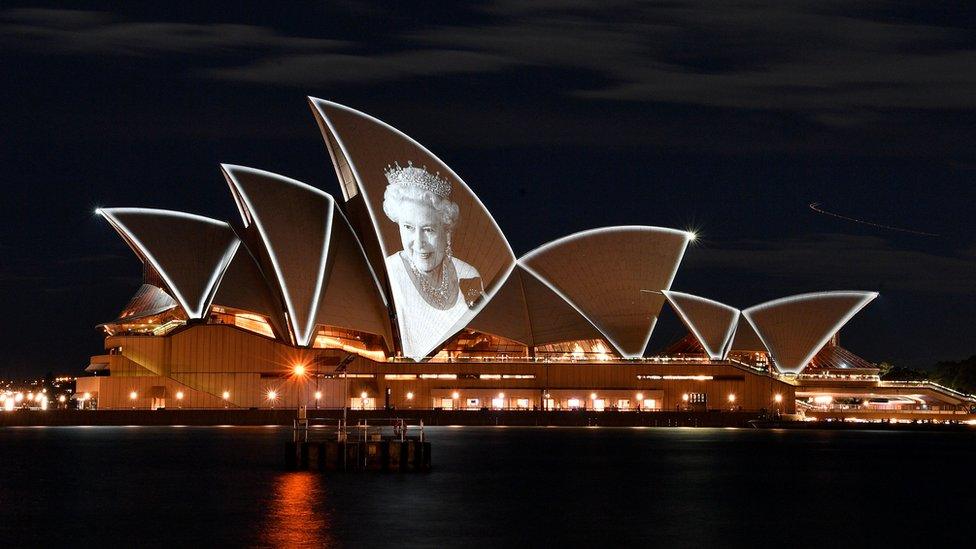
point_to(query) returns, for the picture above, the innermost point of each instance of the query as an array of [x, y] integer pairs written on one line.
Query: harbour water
[[491, 487]]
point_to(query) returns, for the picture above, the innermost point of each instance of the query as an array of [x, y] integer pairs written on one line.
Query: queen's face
[[422, 234]]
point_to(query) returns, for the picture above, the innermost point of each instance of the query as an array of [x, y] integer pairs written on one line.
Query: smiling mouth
[[424, 255]]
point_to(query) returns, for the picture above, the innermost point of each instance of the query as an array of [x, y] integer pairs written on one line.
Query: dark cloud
[[337, 68], [87, 32], [840, 262], [780, 57]]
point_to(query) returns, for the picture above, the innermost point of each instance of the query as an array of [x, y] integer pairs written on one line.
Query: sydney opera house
[[404, 292]]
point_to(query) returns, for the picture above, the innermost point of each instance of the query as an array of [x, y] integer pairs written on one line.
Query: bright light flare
[[731, 397], [226, 395], [455, 395], [272, 395], [318, 395], [409, 396], [179, 395], [778, 398], [299, 369], [133, 395]]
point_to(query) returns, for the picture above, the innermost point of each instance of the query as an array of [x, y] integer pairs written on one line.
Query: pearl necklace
[[439, 296]]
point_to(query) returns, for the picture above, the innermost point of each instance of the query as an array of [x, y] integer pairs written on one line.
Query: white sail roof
[[795, 328], [190, 252]]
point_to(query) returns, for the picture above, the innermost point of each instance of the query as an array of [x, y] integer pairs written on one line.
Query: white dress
[[423, 327]]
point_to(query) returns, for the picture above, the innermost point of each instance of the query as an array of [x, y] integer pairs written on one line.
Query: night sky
[[561, 115]]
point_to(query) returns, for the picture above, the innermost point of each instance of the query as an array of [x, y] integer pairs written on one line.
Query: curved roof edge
[[193, 310], [689, 237], [314, 101], [724, 346], [864, 297], [302, 334]]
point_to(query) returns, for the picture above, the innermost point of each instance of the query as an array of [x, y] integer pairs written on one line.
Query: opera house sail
[[401, 290]]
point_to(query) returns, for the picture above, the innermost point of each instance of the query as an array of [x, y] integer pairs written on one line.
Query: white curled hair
[[396, 195]]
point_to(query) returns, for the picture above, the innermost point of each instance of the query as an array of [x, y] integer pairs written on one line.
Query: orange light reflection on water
[[297, 515]]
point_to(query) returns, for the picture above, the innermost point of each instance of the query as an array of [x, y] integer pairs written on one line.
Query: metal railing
[[930, 385], [376, 429]]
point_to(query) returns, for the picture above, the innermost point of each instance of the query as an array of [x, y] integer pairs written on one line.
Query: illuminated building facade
[[405, 293]]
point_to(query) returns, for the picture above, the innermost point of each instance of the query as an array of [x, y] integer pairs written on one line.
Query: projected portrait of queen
[[432, 288]]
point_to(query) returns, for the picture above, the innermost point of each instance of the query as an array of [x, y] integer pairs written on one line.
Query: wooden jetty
[[391, 444]]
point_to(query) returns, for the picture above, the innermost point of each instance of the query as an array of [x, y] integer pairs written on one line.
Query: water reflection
[[297, 515]]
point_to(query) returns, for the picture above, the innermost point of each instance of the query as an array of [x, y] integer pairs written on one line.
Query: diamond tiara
[[418, 177]]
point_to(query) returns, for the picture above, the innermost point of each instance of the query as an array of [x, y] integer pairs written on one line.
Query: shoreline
[[511, 418]]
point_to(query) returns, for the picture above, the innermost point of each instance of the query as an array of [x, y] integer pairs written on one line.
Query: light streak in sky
[[815, 206]]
